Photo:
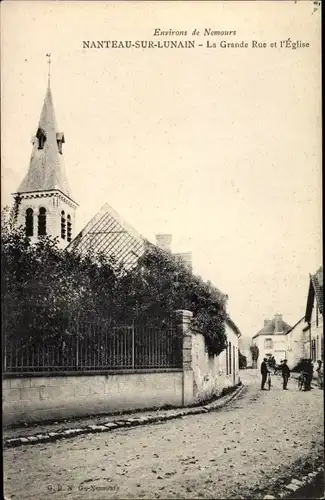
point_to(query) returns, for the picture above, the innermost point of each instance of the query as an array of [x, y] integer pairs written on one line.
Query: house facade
[[313, 329], [272, 339], [211, 374], [306, 338]]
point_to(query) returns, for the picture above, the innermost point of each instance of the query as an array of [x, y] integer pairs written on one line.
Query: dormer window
[[41, 138], [60, 140]]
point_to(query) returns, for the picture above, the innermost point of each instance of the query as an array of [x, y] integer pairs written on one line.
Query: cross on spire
[[48, 56]]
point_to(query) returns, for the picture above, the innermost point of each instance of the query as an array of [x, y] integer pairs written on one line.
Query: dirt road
[[247, 446]]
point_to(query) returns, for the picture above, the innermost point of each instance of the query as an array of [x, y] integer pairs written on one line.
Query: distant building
[[272, 339]]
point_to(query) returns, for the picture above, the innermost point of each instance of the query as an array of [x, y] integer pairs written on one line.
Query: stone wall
[[41, 397], [29, 399]]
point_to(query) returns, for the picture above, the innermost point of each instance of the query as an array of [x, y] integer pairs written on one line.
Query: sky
[[219, 146]]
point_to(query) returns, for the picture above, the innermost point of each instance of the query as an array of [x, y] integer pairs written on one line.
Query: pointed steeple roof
[[46, 167]]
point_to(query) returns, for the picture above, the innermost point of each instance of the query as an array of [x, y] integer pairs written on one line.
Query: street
[[244, 448]]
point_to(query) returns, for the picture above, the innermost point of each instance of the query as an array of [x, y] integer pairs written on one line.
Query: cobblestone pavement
[[246, 447]]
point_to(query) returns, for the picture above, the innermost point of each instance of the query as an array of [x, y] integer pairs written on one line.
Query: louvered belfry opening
[[69, 228], [42, 222], [63, 225], [29, 222]]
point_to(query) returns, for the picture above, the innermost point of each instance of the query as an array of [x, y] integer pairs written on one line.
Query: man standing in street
[[285, 374], [264, 372]]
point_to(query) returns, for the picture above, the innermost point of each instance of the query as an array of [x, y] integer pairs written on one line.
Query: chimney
[[186, 258], [278, 325], [266, 322], [163, 241]]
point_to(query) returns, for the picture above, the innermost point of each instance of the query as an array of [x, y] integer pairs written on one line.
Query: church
[[44, 204]]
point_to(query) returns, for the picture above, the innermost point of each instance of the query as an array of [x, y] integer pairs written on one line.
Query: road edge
[[121, 423]]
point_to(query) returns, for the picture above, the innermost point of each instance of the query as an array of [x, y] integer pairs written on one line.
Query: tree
[[255, 354], [242, 360], [161, 284], [46, 291]]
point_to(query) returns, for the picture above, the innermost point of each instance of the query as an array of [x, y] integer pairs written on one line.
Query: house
[[272, 339], [314, 316], [297, 343], [306, 338]]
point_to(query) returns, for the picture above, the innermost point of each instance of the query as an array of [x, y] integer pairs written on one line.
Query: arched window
[[69, 226], [42, 222], [63, 225], [29, 222]]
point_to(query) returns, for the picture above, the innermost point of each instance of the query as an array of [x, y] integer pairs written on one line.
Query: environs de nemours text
[[200, 38]]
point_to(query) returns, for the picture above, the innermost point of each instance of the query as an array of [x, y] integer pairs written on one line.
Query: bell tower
[[43, 203]]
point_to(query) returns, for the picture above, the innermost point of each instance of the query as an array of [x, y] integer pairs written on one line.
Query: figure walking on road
[[285, 374], [264, 372], [319, 371], [310, 371]]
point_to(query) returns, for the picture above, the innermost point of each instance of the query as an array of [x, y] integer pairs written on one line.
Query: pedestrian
[[319, 371], [264, 372], [310, 371], [285, 374]]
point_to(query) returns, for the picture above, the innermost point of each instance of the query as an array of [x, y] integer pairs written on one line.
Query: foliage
[[255, 352], [161, 284], [45, 289], [242, 360]]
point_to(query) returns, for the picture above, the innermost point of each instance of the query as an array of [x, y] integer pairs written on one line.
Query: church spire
[[46, 167]]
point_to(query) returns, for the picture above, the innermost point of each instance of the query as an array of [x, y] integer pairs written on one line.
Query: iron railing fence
[[97, 345]]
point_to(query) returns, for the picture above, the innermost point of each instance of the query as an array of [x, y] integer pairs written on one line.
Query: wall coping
[[86, 373], [184, 313]]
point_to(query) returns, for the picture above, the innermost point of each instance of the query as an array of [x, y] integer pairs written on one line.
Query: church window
[[69, 227], [63, 225], [42, 222], [29, 222], [230, 358]]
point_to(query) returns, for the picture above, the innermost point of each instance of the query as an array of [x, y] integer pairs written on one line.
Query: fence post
[[133, 344], [183, 328], [77, 343]]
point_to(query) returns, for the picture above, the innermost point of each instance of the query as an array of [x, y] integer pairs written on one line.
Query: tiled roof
[[108, 233], [46, 167], [233, 326], [269, 328], [317, 281], [315, 290]]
